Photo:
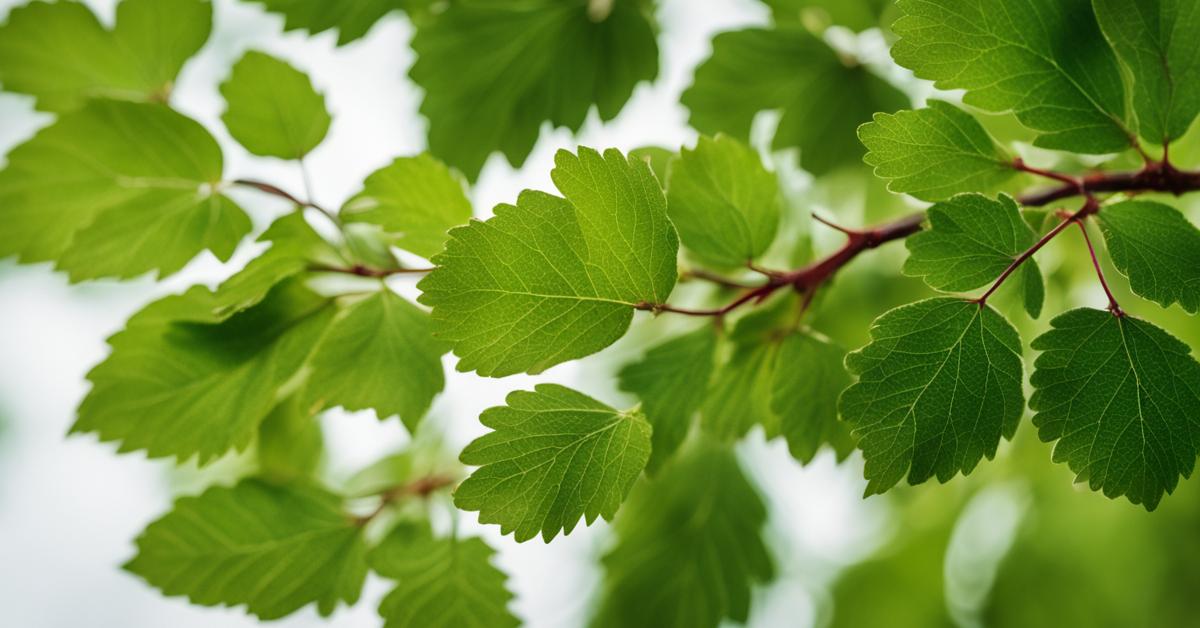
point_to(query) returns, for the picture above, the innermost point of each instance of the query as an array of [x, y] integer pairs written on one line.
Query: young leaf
[[555, 456], [415, 199], [939, 384], [808, 378], [554, 279], [671, 380], [1156, 40], [290, 442], [174, 387], [689, 547], [1157, 248], [117, 189], [934, 153], [441, 582], [379, 354], [59, 52], [351, 18], [723, 201], [555, 60], [971, 240], [1045, 61], [1119, 397], [273, 549], [272, 108], [788, 68]]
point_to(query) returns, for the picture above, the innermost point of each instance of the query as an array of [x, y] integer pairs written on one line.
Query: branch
[[366, 271], [1155, 177], [275, 190], [421, 487]]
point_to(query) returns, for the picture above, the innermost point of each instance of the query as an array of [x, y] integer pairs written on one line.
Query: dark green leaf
[[808, 378]]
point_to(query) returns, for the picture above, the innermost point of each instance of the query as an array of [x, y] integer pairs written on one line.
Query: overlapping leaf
[[60, 53], [1157, 248], [555, 456], [1045, 61], [938, 386], [272, 549], [351, 18], [971, 240], [290, 442], [554, 60], [441, 582], [414, 199], [805, 386], [379, 354], [934, 153], [857, 15], [723, 201], [689, 547], [273, 110], [822, 99], [552, 279], [671, 380], [1118, 396], [138, 195], [179, 383]]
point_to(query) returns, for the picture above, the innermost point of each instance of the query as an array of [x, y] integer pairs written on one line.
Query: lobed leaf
[[271, 548], [1157, 248], [1118, 397], [555, 456], [272, 109], [553, 279], [934, 153], [939, 384]]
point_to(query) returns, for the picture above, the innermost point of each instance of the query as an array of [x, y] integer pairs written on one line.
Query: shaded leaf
[[805, 386], [1157, 248]]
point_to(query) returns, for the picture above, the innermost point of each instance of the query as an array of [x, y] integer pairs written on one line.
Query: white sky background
[[70, 507]]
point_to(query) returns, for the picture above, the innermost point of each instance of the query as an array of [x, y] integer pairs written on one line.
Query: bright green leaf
[[1045, 61], [416, 199], [61, 54], [554, 279], [379, 354], [970, 241], [671, 380], [1156, 40], [174, 387], [822, 99], [441, 582], [723, 201], [273, 549], [290, 442], [494, 70], [808, 378], [555, 456], [117, 189], [658, 158], [1118, 396], [351, 18], [689, 547], [934, 153], [939, 384], [1157, 248], [272, 109]]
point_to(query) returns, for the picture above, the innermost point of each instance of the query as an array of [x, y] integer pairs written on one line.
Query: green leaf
[[416, 199], [61, 54], [723, 201], [1118, 396], [174, 387], [1157, 248], [555, 456], [689, 547], [379, 354], [808, 378], [739, 395], [290, 442], [272, 109], [117, 189], [658, 158], [1156, 40], [272, 549], [1045, 61], [554, 60], [670, 380], [934, 153], [351, 18], [857, 15], [939, 384], [787, 68], [442, 582], [970, 241], [554, 279]]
